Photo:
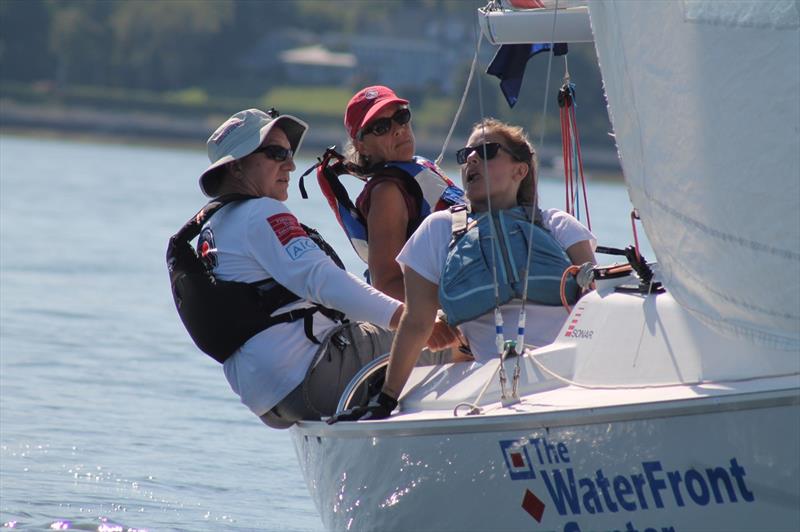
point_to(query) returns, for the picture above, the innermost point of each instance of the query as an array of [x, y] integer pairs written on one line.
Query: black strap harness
[[221, 316]]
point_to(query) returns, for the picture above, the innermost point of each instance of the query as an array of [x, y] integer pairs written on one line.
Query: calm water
[[108, 413]]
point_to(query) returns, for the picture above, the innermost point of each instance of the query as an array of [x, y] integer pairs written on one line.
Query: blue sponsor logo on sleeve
[[298, 247]]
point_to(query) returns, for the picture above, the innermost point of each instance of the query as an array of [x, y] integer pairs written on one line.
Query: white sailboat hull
[[638, 417], [724, 462]]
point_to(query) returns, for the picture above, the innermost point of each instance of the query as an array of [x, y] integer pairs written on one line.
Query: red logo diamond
[[517, 460], [533, 505]]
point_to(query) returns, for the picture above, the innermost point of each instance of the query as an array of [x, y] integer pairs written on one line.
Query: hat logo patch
[[225, 130], [371, 94]]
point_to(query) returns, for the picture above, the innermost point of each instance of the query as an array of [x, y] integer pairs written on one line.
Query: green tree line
[[171, 44], [194, 48]]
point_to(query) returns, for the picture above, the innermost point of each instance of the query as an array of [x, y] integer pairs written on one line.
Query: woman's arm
[[387, 223], [581, 252], [285, 252], [416, 324]]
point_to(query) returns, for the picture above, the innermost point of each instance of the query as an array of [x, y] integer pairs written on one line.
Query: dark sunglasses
[[490, 150], [382, 126], [275, 152]]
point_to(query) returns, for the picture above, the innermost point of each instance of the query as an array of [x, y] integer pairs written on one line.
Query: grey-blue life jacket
[[466, 288]]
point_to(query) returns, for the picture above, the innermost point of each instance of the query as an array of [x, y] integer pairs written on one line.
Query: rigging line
[[547, 78], [476, 409], [487, 181], [494, 239], [440, 158], [498, 316], [522, 318]]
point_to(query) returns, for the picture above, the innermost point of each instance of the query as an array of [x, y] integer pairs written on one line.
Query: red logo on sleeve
[[286, 227]]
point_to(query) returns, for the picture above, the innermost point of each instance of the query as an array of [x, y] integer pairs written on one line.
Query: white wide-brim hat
[[241, 135]]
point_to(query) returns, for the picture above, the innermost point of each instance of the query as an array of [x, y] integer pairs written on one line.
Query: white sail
[[704, 97]]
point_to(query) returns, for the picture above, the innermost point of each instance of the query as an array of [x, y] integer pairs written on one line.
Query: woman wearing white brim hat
[[295, 368]]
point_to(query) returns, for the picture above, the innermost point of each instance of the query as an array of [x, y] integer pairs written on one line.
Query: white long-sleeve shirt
[[259, 239]]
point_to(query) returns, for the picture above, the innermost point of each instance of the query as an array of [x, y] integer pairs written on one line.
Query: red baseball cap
[[366, 104]]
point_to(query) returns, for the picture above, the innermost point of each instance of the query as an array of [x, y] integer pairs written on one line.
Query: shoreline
[[148, 129]]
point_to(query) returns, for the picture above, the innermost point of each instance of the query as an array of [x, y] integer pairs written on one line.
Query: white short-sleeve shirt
[[426, 251]]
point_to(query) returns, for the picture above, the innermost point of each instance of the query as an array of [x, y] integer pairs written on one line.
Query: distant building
[[317, 65], [265, 55], [412, 64]]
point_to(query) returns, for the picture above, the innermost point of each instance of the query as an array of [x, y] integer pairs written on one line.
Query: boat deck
[[572, 405]]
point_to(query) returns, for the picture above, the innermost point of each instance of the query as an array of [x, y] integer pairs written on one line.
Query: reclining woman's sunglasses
[[275, 152], [382, 126], [490, 149]]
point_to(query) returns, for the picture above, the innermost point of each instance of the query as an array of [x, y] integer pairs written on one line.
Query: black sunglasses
[[490, 150], [382, 126], [275, 152]]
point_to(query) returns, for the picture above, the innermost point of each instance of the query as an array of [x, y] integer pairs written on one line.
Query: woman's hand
[[580, 253], [379, 406], [443, 336]]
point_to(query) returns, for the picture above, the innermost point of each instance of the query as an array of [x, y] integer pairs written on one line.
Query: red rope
[[580, 167], [570, 168], [566, 156], [571, 148]]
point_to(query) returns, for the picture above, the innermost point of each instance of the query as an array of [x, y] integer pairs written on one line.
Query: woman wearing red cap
[[402, 189]]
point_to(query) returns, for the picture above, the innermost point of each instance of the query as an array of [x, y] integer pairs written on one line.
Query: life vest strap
[[459, 222], [307, 315], [422, 184]]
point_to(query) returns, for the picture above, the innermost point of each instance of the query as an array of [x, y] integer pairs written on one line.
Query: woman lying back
[[450, 266]]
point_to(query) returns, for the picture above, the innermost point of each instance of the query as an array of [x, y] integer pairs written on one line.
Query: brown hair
[[353, 156], [521, 147]]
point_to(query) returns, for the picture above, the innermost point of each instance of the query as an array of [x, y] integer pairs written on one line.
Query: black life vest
[[221, 316]]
